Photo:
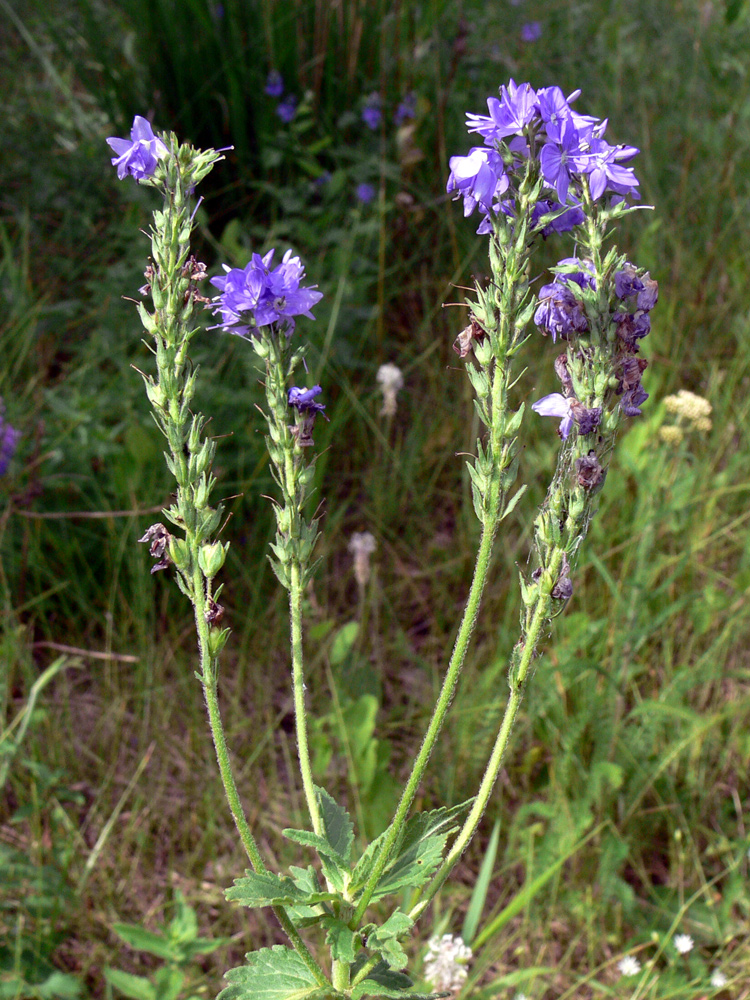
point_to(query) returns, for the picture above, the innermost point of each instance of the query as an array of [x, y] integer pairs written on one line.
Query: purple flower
[[531, 32], [559, 312], [365, 193], [406, 110], [627, 282], [556, 405], [509, 115], [630, 404], [9, 438], [139, 154], [371, 113], [274, 84], [649, 296], [568, 218], [287, 109], [479, 178], [560, 159], [602, 163], [258, 295], [304, 399]]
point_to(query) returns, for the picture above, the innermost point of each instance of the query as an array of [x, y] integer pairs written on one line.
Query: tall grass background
[[623, 807]]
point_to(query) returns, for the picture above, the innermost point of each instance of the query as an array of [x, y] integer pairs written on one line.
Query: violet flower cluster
[[569, 149], [260, 295], [9, 437]]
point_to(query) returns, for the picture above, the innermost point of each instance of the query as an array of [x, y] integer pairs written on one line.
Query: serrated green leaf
[[340, 940], [418, 854], [319, 843], [337, 825], [385, 982], [276, 973], [266, 889], [385, 939]]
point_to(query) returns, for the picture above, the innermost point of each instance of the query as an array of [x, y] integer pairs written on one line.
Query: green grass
[[634, 731]]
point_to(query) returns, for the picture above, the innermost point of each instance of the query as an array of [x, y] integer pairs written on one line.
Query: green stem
[[539, 619], [446, 694], [303, 749]]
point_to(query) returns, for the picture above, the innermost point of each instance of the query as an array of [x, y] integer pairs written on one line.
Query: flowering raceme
[[259, 295], [567, 147]]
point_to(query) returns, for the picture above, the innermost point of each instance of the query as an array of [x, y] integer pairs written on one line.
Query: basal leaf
[[143, 940], [276, 973]]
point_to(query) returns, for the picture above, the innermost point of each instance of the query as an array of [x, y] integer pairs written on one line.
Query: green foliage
[[276, 973]]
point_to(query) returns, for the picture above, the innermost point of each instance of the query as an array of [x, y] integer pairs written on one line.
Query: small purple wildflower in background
[[365, 193], [371, 112], [9, 437], [304, 399], [406, 110], [287, 109], [531, 32], [258, 295], [274, 84], [139, 154]]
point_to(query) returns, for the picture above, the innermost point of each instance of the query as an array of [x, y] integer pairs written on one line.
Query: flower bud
[[211, 558]]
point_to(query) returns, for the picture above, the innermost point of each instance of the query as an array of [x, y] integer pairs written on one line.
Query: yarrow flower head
[[391, 380], [718, 980], [140, 154], [445, 960], [683, 943], [629, 966], [259, 295]]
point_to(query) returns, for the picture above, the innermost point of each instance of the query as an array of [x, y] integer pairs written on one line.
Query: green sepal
[[257, 889], [513, 501], [276, 973]]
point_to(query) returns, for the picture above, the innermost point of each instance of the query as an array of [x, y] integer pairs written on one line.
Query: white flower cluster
[[689, 408], [391, 380], [629, 966], [683, 943], [718, 979], [362, 545], [444, 962]]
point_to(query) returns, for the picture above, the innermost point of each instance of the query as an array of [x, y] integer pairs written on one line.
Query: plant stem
[[539, 617], [300, 717], [446, 694], [209, 678]]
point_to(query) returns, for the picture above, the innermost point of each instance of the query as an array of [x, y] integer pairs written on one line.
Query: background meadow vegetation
[[622, 815]]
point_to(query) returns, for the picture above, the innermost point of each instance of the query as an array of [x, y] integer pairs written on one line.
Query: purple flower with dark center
[[371, 112], [274, 84], [560, 313], [531, 32], [406, 110], [287, 109], [556, 405], [304, 399], [140, 154], [365, 193], [479, 178], [509, 115], [258, 295]]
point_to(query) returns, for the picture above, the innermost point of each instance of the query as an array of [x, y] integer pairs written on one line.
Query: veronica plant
[[542, 169]]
